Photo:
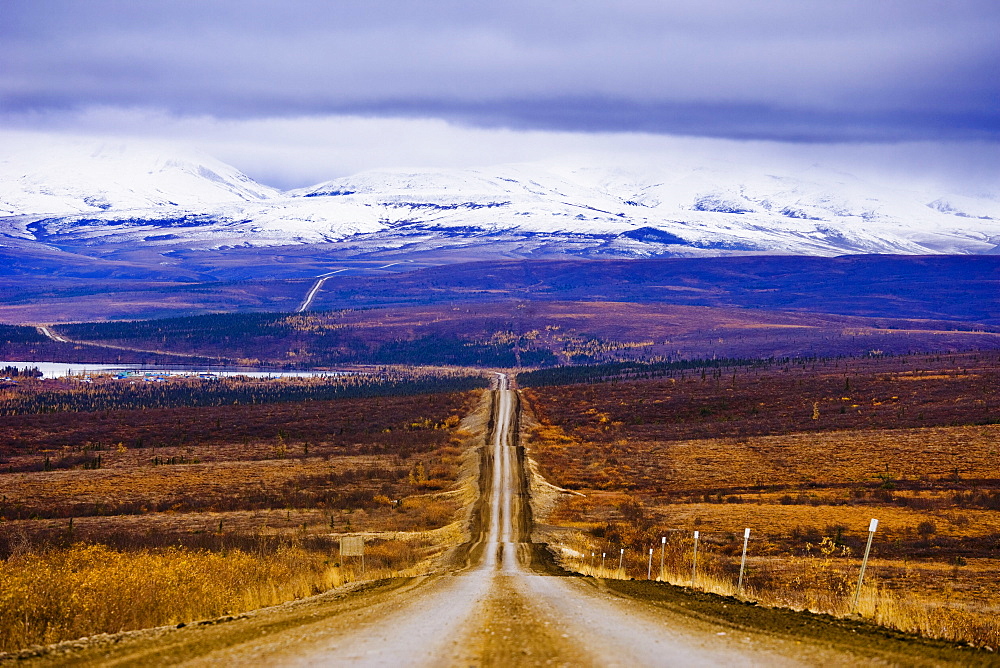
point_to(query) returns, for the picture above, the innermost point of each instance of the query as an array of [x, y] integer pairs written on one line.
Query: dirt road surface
[[507, 605]]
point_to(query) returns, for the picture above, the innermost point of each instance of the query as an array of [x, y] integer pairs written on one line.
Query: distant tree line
[[20, 334], [307, 341], [597, 373], [123, 395], [202, 327], [15, 372]]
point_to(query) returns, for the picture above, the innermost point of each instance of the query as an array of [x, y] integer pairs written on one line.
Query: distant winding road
[[322, 278], [311, 295], [45, 331], [58, 338]]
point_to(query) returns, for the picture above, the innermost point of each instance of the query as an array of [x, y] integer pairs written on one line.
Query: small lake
[[63, 369]]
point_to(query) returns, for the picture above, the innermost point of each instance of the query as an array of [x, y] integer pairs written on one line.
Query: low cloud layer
[[786, 69], [292, 152]]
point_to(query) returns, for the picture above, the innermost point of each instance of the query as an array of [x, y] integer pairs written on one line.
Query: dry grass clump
[[805, 455], [794, 564], [340, 483], [55, 594], [944, 457], [822, 582], [58, 594], [218, 510]]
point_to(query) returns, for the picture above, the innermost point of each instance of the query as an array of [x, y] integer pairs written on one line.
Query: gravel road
[[497, 611], [500, 613]]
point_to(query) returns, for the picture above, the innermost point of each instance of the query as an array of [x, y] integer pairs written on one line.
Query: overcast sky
[[299, 89]]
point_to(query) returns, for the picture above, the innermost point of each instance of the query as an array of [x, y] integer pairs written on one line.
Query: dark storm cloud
[[787, 69]]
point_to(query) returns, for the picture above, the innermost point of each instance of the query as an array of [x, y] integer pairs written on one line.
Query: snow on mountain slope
[[685, 206], [86, 177], [723, 208]]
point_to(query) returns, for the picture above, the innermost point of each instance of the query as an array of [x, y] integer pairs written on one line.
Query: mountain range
[[161, 208]]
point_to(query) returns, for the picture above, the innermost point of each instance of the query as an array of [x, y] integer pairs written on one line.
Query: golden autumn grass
[[928, 599], [369, 482], [60, 593], [653, 459], [233, 523], [86, 589]]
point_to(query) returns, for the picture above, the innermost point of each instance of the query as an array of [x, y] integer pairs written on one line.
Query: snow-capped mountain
[[90, 199], [672, 210], [77, 177]]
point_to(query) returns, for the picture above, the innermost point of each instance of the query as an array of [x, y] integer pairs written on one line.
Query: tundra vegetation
[[508, 334], [124, 505], [804, 452], [941, 292]]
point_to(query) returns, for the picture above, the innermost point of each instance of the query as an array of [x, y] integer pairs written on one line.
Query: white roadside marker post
[[621, 561], [591, 565], [603, 554], [864, 563], [663, 545], [743, 562], [694, 561], [649, 569]]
